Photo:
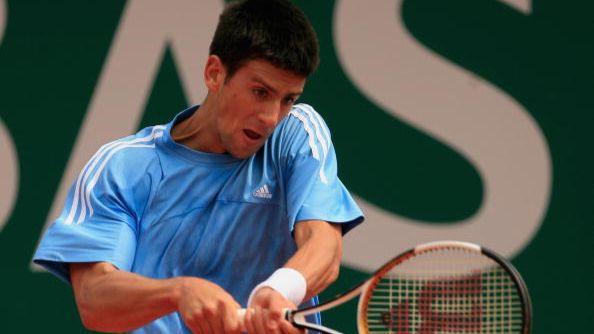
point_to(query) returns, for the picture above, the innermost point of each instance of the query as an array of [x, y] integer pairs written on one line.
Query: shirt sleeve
[[314, 190], [99, 219]]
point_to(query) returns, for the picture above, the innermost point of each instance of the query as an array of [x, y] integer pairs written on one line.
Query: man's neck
[[198, 131]]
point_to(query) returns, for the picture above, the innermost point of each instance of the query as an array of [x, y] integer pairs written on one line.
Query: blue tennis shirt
[[151, 206]]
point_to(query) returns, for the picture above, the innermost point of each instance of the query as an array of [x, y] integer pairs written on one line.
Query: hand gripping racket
[[442, 287]]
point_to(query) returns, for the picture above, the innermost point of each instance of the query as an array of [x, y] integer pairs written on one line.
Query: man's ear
[[214, 73]]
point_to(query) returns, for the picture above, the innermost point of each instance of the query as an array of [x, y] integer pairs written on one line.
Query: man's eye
[[259, 92], [289, 100]]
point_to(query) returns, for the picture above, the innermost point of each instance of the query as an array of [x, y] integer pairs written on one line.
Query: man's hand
[[265, 314], [206, 308]]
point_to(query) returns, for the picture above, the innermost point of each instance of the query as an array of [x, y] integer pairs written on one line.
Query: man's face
[[251, 104]]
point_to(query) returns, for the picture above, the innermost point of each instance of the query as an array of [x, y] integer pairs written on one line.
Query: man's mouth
[[252, 134]]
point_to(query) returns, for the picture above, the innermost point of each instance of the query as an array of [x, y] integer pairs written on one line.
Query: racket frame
[[297, 317], [430, 246]]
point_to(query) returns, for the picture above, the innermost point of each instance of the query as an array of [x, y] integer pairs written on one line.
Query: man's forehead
[[274, 77]]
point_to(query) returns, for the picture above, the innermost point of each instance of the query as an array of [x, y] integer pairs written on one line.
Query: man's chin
[[243, 154]]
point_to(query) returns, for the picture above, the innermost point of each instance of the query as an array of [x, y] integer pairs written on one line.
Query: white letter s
[[430, 93]]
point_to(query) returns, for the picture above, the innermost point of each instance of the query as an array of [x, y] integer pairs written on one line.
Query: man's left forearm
[[319, 253]]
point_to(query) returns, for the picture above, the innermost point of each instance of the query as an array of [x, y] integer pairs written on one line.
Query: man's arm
[[318, 256], [112, 300], [317, 259]]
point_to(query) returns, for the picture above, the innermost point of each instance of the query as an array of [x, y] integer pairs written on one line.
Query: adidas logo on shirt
[[263, 192]]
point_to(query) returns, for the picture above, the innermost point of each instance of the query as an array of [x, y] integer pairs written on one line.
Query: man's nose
[[269, 115]]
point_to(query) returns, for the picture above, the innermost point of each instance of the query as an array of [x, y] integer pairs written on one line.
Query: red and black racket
[[441, 287]]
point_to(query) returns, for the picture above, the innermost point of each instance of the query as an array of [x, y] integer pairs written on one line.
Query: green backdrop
[[540, 53]]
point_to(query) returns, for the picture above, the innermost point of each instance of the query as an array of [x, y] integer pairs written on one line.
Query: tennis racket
[[442, 287]]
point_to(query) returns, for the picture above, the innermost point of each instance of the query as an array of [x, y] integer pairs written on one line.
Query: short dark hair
[[273, 30]]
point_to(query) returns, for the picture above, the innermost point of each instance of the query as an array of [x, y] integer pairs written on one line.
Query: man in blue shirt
[[234, 203]]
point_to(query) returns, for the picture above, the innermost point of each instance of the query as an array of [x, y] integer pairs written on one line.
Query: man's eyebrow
[[263, 83], [270, 88]]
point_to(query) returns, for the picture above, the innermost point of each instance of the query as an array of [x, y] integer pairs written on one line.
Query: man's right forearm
[[112, 300]]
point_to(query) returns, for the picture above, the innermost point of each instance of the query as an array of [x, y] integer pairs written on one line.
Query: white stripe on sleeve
[[312, 141], [79, 195]]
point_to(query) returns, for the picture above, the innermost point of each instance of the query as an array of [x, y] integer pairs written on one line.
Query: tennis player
[[234, 203]]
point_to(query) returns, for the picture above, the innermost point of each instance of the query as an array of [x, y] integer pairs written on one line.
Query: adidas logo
[[263, 192]]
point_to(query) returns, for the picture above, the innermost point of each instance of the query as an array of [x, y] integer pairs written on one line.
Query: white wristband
[[286, 281]]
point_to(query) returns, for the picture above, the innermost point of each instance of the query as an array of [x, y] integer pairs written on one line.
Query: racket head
[[445, 287]]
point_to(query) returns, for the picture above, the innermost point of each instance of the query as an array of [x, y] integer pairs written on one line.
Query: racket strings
[[446, 291]]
